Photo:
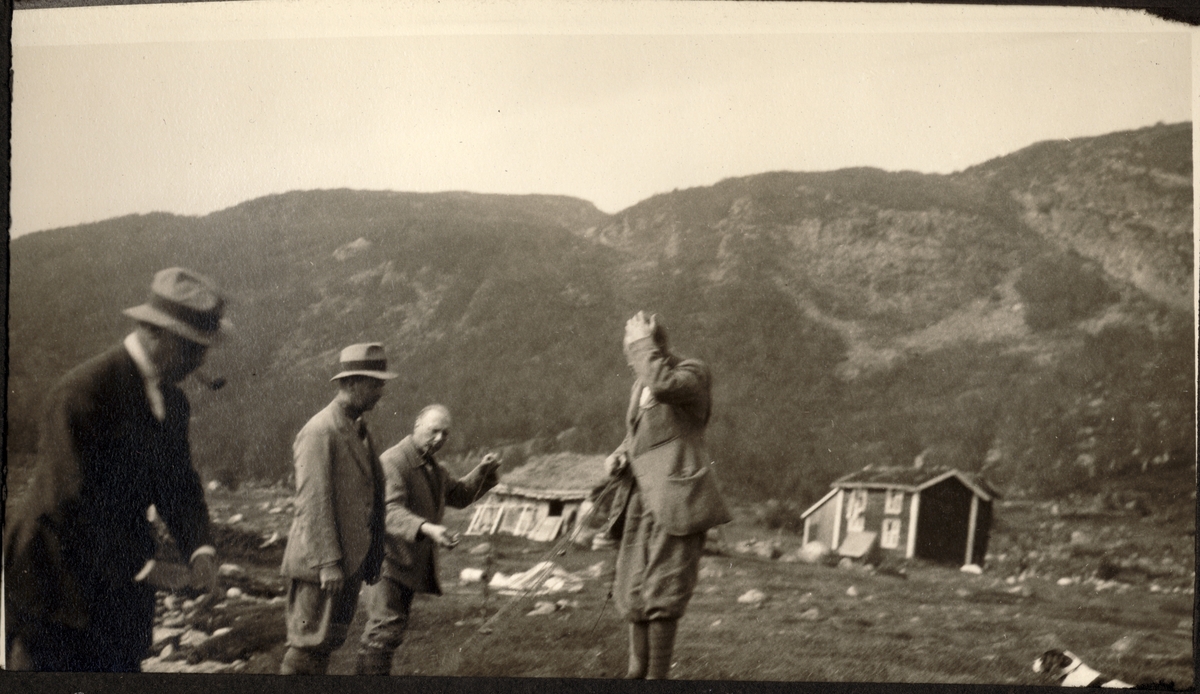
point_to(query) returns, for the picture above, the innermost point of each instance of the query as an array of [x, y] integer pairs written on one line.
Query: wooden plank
[[971, 529], [546, 530], [913, 512]]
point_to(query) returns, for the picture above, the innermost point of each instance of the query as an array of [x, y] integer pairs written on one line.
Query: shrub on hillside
[[1061, 289]]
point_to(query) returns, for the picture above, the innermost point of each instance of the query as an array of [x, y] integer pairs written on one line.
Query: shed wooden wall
[[818, 526], [944, 518]]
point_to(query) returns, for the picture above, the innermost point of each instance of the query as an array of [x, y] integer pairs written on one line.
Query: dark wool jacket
[[81, 529]]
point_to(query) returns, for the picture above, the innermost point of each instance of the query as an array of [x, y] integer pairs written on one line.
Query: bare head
[[432, 428]]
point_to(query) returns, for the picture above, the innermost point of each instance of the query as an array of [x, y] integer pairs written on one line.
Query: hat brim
[[379, 375], [149, 314]]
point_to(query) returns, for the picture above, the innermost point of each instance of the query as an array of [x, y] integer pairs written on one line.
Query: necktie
[[435, 482]]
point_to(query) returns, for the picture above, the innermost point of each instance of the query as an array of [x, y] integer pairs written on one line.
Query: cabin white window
[[894, 501], [889, 537], [486, 519], [526, 517]]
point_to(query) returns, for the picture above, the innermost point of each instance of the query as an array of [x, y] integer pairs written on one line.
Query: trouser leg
[[115, 639], [317, 623], [662, 643], [639, 650], [389, 603]]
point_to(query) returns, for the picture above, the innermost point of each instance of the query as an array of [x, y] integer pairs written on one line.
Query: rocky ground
[[1110, 579]]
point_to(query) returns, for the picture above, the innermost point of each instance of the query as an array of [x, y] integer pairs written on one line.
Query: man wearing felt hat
[[336, 540], [112, 441]]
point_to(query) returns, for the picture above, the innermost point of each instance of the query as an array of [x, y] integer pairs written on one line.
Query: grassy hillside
[[850, 317]]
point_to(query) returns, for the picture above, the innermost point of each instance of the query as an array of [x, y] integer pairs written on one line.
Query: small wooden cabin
[[938, 514], [541, 500]]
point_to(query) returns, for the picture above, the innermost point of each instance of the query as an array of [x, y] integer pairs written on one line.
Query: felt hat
[[185, 303], [364, 359]]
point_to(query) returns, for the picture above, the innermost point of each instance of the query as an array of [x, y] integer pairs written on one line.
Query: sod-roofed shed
[[541, 500], [934, 513]]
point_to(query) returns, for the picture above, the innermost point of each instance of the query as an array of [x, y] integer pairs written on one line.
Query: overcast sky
[[194, 108]]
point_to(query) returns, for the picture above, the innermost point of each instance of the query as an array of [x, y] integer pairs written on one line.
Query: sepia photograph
[[561, 342]]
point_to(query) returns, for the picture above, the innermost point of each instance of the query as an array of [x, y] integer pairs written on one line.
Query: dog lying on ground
[[1070, 670]]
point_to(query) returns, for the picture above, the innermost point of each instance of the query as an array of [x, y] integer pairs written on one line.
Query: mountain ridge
[[851, 317]]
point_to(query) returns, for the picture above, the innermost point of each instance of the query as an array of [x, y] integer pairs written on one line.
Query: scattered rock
[[222, 631], [594, 571], [1023, 590], [481, 548], [162, 637], [1078, 537], [228, 570], [813, 552], [173, 621], [715, 624], [810, 615], [565, 604], [542, 607], [1064, 581], [972, 569], [470, 575], [214, 486], [852, 592], [1123, 644], [768, 551], [845, 563], [192, 638], [753, 596], [233, 593], [275, 509], [962, 592], [235, 518], [167, 651]]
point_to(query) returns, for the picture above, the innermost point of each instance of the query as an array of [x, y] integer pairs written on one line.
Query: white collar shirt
[[150, 378]]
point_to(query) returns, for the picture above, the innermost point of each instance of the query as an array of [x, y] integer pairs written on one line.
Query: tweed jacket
[[339, 500], [669, 408], [103, 458], [417, 493]]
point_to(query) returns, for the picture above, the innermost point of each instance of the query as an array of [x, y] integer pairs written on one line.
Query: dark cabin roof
[[914, 479], [563, 476]]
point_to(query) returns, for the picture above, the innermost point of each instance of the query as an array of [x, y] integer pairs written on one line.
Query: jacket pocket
[[692, 504]]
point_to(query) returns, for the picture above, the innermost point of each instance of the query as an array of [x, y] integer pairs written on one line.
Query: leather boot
[[662, 643], [301, 662], [638, 650], [373, 661]]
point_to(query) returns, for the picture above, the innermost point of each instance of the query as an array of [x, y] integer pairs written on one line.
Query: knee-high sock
[[662, 643], [374, 661], [301, 662], [639, 650]]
